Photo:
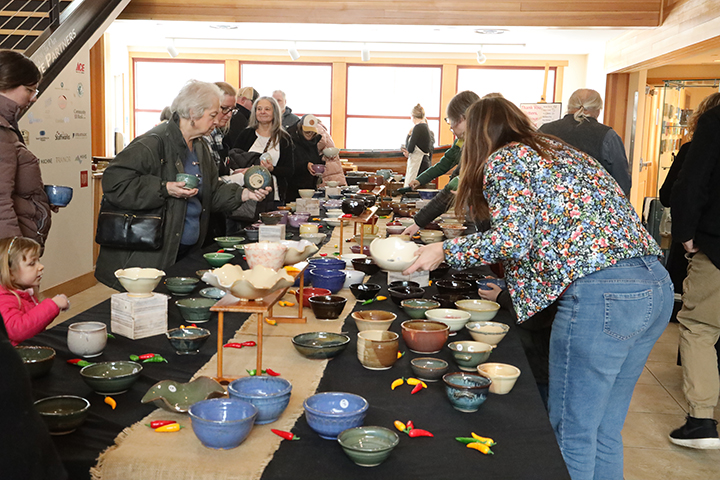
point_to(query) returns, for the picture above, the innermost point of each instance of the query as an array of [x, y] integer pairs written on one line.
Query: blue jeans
[[605, 326]]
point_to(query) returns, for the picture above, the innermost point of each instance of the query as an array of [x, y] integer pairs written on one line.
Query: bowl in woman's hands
[[191, 181], [58, 196], [330, 151]]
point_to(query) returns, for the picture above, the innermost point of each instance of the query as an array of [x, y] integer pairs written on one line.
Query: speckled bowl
[[320, 345], [111, 378], [466, 391], [181, 285], [187, 340], [63, 414], [177, 397], [368, 446], [329, 413]]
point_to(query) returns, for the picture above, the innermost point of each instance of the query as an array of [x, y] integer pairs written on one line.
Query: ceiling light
[[491, 31], [365, 54], [171, 48], [481, 58], [293, 51], [224, 27]]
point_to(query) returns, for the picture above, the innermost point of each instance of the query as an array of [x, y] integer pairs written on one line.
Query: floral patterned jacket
[[552, 222]]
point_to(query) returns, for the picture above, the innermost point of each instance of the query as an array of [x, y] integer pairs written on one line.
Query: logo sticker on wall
[[42, 136], [32, 119], [62, 136], [80, 114], [62, 101], [80, 68], [80, 90]]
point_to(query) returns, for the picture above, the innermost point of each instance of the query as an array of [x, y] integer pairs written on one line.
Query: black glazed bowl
[[368, 198], [327, 307], [365, 291], [366, 265], [455, 286], [353, 206], [447, 300], [440, 271], [398, 294], [468, 277], [403, 283]]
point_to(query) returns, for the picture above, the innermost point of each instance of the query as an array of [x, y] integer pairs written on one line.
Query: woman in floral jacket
[[565, 234]]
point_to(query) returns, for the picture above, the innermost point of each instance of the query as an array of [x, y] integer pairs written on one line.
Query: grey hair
[[276, 130], [281, 93], [194, 98], [584, 103]]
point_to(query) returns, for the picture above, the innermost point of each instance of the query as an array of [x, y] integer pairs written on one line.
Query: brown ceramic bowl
[[310, 292], [373, 319], [398, 294], [447, 300], [377, 349], [327, 307], [271, 218], [440, 271], [366, 265], [424, 336], [455, 286], [365, 249]]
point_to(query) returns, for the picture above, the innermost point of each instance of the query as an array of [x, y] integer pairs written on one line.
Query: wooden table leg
[[341, 236], [220, 346], [258, 363]]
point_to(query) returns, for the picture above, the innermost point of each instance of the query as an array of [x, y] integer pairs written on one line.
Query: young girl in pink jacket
[[20, 274]]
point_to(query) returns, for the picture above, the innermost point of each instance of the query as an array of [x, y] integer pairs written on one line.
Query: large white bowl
[[267, 254], [455, 319], [297, 251], [248, 284], [393, 254], [139, 282]]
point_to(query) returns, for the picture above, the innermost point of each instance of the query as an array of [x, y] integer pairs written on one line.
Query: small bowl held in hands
[[59, 196]]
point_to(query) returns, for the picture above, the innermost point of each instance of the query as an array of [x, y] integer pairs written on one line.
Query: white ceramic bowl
[[352, 276], [248, 284], [480, 310], [335, 222], [330, 151], [455, 319], [316, 238], [393, 254], [348, 257], [332, 183], [503, 376], [430, 236], [87, 339], [297, 251], [267, 254], [334, 212], [306, 192], [406, 221], [488, 332], [139, 282]]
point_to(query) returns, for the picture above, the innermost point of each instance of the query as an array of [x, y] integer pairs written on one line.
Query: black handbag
[[130, 229]]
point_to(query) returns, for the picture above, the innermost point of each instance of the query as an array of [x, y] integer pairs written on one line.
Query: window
[[380, 100], [308, 88], [157, 83], [517, 84]]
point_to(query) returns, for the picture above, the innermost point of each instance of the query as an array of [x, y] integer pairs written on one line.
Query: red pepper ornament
[[285, 435]]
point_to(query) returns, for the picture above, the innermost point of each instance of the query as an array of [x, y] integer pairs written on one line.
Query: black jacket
[[289, 119], [238, 123], [306, 151], [285, 168]]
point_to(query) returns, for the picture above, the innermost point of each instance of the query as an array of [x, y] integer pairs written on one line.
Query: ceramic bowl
[[428, 368], [368, 446], [394, 229], [353, 206], [249, 284], [330, 151], [318, 168], [332, 280], [178, 397], [319, 345], [424, 336], [187, 340], [447, 300], [480, 310], [392, 254], [472, 278], [63, 414], [315, 238], [329, 413], [416, 307], [403, 283], [297, 219], [367, 238], [212, 292], [140, 282], [327, 263], [181, 285], [365, 291], [37, 360], [439, 271], [222, 423], [368, 198], [270, 218], [257, 177], [327, 307], [251, 233], [503, 376], [348, 258], [352, 277], [267, 254], [383, 212], [377, 349], [227, 242], [428, 193], [111, 378], [406, 221], [58, 195], [469, 354], [455, 286], [455, 319], [484, 282], [398, 294], [310, 292], [87, 339], [334, 212], [373, 319], [283, 216], [466, 391], [331, 183], [270, 395], [196, 309], [488, 332], [191, 181], [366, 265], [365, 249], [452, 230], [216, 259], [306, 192], [335, 222]]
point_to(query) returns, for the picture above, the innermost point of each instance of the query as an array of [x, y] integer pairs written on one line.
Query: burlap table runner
[[141, 453]]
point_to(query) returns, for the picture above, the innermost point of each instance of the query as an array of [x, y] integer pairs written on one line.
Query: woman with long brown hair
[[565, 234]]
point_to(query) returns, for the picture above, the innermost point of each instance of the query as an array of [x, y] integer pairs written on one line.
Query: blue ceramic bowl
[[270, 395], [222, 423], [330, 413], [332, 280], [58, 195], [325, 263], [483, 283], [428, 194], [466, 391]]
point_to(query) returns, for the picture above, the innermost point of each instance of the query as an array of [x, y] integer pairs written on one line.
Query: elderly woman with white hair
[[143, 177]]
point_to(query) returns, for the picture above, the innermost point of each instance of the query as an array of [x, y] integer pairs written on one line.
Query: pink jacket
[[27, 318], [333, 167]]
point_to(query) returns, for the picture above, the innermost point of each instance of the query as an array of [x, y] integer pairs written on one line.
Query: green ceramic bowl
[[111, 378], [212, 292], [416, 307], [63, 414], [195, 310], [177, 397], [181, 285], [368, 446], [37, 360], [318, 345], [218, 259], [228, 242]]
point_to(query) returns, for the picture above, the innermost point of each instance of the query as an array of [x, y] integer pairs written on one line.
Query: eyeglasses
[[453, 122], [226, 110], [33, 91]]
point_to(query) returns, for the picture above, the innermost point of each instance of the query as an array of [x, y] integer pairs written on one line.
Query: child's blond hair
[[12, 251]]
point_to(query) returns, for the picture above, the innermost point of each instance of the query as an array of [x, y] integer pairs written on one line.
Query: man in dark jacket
[[581, 129], [246, 96], [695, 207], [289, 119]]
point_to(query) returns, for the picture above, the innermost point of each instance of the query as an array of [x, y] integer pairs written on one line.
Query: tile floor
[[657, 407]]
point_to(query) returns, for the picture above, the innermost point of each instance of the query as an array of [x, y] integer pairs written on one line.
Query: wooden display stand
[[261, 306], [367, 217]]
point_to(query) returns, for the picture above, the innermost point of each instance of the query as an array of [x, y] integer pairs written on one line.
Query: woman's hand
[[490, 293], [178, 190], [411, 230], [257, 195], [414, 184], [267, 165], [428, 258]]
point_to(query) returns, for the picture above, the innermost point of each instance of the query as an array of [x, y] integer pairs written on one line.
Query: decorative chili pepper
[[323, 254], [249, 343], [145, 356], [110, 335], [284, 303], [111, 401], [79, 362], [169, 428], [134, 358], [400, 355], [336, 253], [222, 250], [160, 423], [410, 425], [417, 388], [271, 322], [347, 215], [380, 298], [400, 426], [465, 440], [417, 432], [233, 345], [486, 440], [285, 435], [155, 359], [416, 381], [272, 373], [480, 447], [253, 372], [397, 383]]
